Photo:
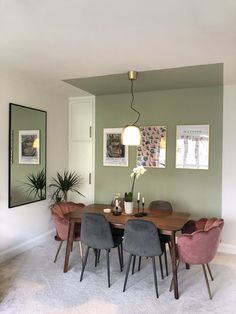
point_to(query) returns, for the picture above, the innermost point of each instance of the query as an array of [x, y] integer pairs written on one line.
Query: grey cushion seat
[[141, 238], [96, 234]]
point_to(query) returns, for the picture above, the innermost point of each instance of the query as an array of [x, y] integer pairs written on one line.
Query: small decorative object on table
[[116, 203], [129, 196], [138, 201], [143, 213], [140, 214]]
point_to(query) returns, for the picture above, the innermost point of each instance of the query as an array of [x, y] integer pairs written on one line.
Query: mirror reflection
[[27, 155]]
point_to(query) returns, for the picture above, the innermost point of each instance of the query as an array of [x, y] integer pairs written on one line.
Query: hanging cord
[[131, 105]]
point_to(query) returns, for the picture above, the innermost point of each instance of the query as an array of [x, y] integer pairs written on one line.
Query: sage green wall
[[197, 191]]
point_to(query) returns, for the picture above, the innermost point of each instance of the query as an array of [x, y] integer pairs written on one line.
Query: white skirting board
[[227, 248], [12, 252]]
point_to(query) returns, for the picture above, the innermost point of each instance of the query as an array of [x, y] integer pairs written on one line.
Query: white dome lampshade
[[131, 135]]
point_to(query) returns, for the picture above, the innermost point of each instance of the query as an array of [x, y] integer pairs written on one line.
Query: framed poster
[[114, 152], [29, 147], [192, 146], [152, 151]]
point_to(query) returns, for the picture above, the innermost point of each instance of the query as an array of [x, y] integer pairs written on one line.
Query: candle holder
[[138, 214], [143, 213]]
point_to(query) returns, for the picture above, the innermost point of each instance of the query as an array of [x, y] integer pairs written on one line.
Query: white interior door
[[81, 145]]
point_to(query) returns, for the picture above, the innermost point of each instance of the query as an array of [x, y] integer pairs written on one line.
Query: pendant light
[[131, 134]]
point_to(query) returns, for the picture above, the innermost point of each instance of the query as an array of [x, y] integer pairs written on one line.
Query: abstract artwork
[[152, 151]]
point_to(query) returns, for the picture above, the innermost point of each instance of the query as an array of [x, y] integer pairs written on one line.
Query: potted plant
[[69, 181], [36, 184], [128, 198]]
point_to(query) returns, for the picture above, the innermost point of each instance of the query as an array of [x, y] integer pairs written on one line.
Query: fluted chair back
[[62, 224], [200, 246]]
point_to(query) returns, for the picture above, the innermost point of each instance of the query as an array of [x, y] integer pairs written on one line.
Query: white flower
[[138, 171]]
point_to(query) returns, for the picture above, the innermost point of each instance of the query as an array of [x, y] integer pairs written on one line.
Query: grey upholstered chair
[[96, 234], [141, 238]]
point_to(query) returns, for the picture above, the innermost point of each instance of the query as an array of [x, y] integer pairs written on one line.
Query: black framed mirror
[[27, 155]]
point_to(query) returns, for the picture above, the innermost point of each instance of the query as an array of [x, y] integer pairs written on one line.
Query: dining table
[[168, 223]]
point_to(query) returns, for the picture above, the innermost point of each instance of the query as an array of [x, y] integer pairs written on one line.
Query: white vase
[[129, 207]]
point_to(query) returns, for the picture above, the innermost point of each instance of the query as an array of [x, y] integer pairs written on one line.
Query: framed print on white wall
[[114, 152], [192, 146]]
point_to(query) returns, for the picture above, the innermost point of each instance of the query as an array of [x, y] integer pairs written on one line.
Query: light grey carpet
[[32, 283]]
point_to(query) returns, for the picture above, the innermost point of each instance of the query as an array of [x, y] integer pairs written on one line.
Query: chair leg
[[58, 250], [139, 262], [84, 263], [134, 260], [155, 274], [108, 269], [210, 273], [165, 256], [120, 258], [207, 282], [99, 253], [127, 272], [81, 251], [161, 268]]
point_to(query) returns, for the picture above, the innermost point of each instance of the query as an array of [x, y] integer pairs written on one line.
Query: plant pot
[[129, 207]]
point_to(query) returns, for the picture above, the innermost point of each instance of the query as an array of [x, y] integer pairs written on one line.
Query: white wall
[[229, 170], [24, 226]]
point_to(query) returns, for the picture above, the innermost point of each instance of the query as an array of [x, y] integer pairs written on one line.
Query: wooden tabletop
[[167, 223]]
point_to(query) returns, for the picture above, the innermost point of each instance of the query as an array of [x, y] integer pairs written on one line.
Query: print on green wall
[[114, 152], [192, 146], [152, 151]]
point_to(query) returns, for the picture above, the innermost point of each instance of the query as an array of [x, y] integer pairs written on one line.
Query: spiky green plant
[[36, 184], [68, 181]]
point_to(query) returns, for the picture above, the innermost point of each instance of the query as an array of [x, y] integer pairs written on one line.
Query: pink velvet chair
[[199, 242], [62, 224]]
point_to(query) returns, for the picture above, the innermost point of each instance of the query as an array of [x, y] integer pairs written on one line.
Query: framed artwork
[[114, 153], [152, 151], [29, 147], [192, 146]]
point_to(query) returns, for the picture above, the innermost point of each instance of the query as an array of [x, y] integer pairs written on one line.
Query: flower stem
[[132, 189]]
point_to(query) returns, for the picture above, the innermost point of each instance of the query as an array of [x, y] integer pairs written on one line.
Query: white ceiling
[[52, 40]]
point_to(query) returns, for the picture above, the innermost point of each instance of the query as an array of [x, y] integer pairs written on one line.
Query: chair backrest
[[62, 224], [62, 208], [200, 246], [202, 224], [161, 205], [141, 238], [96, 231]]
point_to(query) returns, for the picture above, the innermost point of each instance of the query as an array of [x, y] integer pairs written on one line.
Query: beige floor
[[32, 283], [226, 259]]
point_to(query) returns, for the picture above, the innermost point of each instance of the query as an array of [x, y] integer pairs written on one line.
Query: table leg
[[174, 265], [69, 245]]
